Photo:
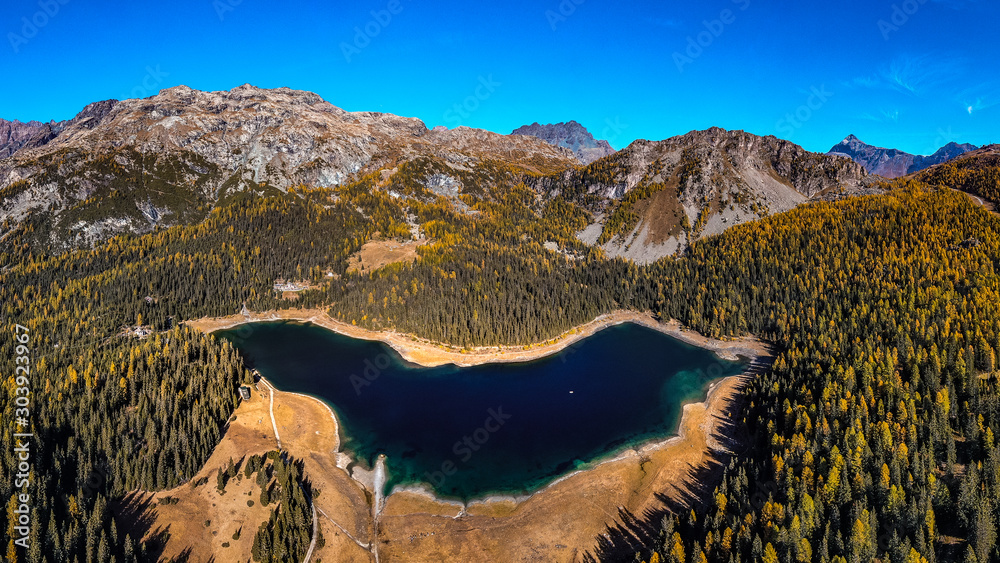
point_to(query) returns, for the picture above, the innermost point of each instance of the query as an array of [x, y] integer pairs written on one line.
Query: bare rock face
[[15, 135], [656, 197], [572, 136], [894, 163], [180, 152]]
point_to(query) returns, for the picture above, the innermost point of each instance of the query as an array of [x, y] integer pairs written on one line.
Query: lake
[[492, 429]]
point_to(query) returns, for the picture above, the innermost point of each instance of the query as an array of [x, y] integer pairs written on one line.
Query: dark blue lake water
[[498, 428]]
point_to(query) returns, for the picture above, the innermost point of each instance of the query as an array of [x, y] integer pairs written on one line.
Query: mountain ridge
[[654, 198], [895, 163], [976, 172], [15, 135], [135, 165], [570, 135], [167, 159]]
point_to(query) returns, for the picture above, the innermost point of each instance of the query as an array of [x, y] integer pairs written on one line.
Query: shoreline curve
[[428, 354]]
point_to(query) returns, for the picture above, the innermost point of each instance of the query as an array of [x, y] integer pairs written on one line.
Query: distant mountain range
[[135, 165], [885, 162], [572, 136], [894, 163], [15, 135]]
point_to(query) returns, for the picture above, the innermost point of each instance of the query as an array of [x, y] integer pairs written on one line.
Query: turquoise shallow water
[[491, 429]]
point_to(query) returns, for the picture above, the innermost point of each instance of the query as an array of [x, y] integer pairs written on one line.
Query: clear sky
[[910, 74]]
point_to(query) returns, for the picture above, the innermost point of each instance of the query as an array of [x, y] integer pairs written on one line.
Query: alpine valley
[[840, 316]]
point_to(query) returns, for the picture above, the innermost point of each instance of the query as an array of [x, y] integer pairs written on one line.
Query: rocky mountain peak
[[654, 198], [953, 149], [15, 135], [893, 163], [570, 135], [281, 129], [176, 154]]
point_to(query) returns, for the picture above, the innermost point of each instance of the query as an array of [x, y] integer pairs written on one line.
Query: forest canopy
[[875, 430]]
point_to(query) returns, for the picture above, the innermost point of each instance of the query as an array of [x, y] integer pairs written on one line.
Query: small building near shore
[[245, 392]]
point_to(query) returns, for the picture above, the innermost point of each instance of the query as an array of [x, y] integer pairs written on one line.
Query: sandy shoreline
[[431, 354], [333, 415], [365, 477], [630, 453], [558, 522]]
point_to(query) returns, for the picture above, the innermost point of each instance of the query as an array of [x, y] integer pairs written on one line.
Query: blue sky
[[911, 74]]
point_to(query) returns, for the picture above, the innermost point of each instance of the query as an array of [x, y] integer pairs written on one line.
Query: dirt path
[[199, 518], [315, 535], [271, 409], [342, 529], [988, 205]]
